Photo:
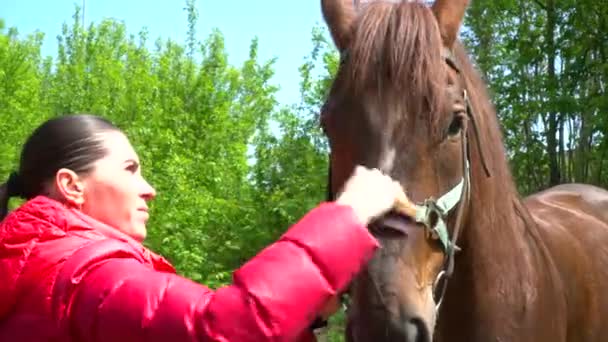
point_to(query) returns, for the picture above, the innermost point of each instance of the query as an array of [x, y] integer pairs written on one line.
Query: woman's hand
[[370, 193]]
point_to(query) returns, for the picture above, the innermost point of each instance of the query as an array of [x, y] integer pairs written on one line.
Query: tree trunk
[[554, 176]]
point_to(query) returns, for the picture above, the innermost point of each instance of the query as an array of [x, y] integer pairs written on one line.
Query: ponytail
[[13, 187], [4, 197]]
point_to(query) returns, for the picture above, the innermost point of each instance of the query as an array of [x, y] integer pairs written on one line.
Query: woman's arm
[[104, 293]]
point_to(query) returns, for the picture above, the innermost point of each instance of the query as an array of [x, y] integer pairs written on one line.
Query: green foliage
[[546, 64], [290, 172], [21, 98]]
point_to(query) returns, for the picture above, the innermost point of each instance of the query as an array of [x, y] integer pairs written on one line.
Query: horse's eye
[[456, 124]]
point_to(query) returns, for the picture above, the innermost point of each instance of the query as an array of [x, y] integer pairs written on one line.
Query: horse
[[476, 260]]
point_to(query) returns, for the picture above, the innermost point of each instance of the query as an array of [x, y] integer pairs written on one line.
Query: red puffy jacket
[[67, 277]]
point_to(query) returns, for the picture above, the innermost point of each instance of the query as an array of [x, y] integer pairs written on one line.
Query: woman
[[72, 266]]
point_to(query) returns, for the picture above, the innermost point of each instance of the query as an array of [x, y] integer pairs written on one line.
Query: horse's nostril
[[416, 331]]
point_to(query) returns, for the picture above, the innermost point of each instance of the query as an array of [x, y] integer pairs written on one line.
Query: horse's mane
[[490, 136]]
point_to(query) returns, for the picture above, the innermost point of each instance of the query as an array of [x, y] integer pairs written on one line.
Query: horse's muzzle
[[415, 330], [402, 330]]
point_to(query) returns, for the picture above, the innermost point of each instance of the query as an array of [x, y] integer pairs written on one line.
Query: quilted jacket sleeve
[[110, 295]]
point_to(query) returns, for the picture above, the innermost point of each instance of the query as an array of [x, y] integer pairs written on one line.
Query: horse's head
[[399, 103]]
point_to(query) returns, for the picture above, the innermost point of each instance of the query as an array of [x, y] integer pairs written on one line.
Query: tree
[[543, 61]]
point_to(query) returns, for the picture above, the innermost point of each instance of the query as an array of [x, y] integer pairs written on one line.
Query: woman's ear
[[70, 187]]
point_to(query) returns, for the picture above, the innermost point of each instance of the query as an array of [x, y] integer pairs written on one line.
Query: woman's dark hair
[[69, 141]]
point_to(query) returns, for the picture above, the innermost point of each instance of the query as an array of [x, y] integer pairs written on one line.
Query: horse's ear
[[339, 16], [449, 14]]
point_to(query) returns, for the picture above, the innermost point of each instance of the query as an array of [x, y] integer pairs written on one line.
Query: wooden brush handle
[[405, 206]]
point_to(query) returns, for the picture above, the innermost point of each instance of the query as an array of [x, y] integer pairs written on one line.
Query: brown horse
[[407, 100]]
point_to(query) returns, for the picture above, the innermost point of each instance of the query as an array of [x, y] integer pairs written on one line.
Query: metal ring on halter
[[440, 276]]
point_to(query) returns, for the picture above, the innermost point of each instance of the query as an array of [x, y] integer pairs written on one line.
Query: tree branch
[[541, 5]]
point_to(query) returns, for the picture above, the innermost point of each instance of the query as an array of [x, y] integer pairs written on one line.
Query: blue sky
[[283, 27]]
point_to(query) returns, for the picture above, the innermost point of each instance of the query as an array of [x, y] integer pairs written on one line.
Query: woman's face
[[115, 191]]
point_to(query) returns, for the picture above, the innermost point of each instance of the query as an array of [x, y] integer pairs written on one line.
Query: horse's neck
[[496, 230], [497, 267], [498, 248]]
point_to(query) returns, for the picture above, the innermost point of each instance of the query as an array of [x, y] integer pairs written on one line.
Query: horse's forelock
[[397, 50]]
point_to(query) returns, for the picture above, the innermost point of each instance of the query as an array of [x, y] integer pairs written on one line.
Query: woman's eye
[[132, 168]]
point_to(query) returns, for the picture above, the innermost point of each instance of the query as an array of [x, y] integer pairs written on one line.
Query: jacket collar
[[61, 219]]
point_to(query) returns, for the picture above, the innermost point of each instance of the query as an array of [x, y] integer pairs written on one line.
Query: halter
[[433, 213], [437, 210]]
